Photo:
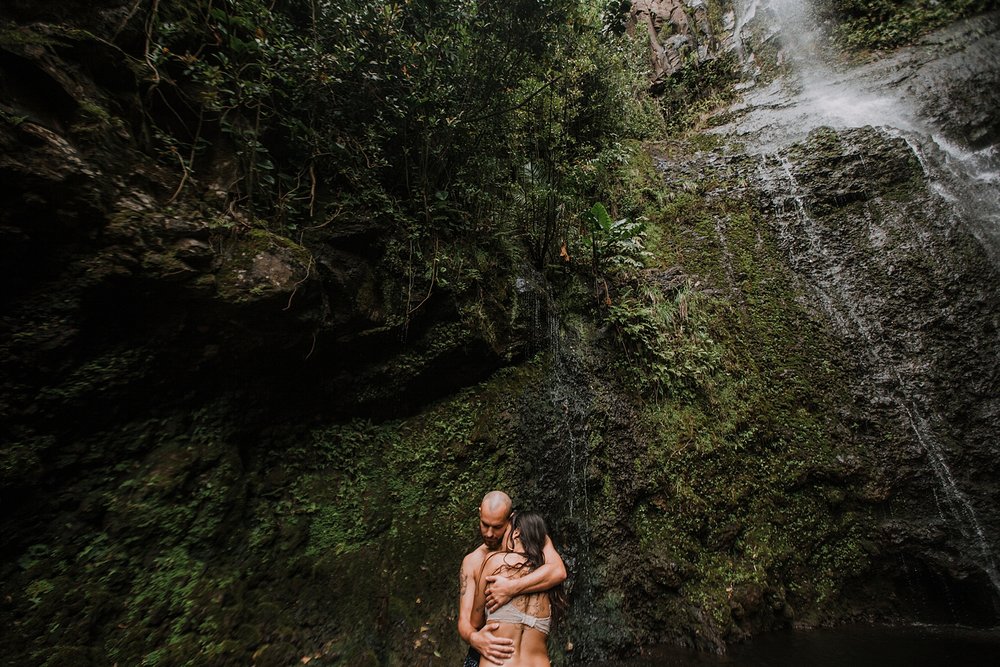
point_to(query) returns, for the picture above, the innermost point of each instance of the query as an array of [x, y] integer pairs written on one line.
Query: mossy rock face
[[761, 489], [835, 174], [904, 280], [262, 267], [738, 496]]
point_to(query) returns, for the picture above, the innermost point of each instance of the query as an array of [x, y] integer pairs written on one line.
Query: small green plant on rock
[[616, 247]]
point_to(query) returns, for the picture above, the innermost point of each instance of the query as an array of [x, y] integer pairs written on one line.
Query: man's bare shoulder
[[474, 560]]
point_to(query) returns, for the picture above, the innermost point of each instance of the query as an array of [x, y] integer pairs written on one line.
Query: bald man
[[494, 519]]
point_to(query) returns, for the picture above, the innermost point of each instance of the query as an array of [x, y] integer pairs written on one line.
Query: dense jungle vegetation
[[464, 128]]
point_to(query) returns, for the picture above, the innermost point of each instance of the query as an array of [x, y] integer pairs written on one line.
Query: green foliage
[[468, 130], [741, 470], [880, 24], [38, 589], [386, 512], [376, 481], [665, 338], [463, 126], [100, 374], [693, 91], [616, 245], [614, 15]]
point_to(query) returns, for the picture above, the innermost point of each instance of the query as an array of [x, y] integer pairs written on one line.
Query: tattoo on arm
[[463, 582]]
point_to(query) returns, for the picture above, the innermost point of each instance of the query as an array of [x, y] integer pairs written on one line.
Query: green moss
[[372, 482], [92, 118], [22, 461], [688, 461], [38, 589], [666, 336], [102, 374], [12, 119], [375, 511], [736, 504], [95, 112], [240, 279]]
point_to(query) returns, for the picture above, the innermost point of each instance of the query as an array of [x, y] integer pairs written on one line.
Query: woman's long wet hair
[[532, 535]]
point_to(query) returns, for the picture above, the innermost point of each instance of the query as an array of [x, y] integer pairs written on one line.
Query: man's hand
[[493, 648], [499, 591]]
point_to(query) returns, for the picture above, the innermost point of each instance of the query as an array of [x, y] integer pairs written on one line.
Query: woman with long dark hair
[[527, 618]]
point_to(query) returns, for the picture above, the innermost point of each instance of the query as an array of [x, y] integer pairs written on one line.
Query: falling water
[[969, 180], [816, 93], [775, 116], [839, 300], [573, 408], [567, 402]]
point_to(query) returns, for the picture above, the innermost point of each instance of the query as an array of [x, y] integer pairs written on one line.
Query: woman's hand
[[499, 591]]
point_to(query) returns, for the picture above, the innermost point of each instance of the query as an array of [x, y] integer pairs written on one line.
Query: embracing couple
[[509, 588]]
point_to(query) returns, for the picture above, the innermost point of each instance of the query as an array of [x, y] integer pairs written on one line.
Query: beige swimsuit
[[511, 614]]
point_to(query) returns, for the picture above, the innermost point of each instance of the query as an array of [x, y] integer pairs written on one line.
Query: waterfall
[[965, 180], [968, 179], [838, 297], [817, 94], [573, 408]]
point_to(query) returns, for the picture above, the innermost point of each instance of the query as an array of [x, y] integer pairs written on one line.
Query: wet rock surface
[[859, 166], [916, 293], [957, 88]]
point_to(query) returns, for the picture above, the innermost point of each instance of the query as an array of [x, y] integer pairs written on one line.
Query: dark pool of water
[[918, 646]]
